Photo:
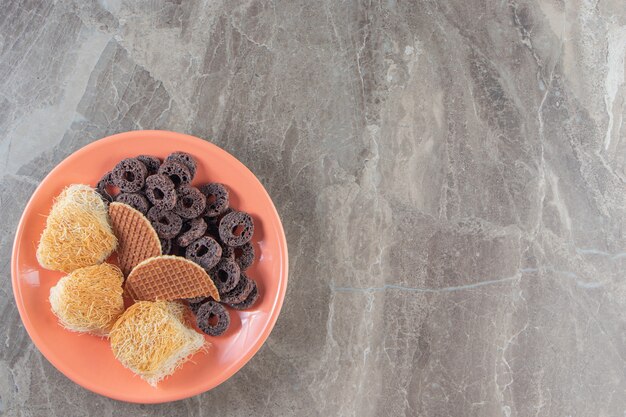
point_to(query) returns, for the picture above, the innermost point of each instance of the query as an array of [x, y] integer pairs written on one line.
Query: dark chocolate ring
[[185, 159], [190, 202], [161, 192], [166, 246], [205, 251], [216, 199], [244, 255], [135, 200], [233, 221], [209, 310], [103, 187], [191, 231], [225, 275], [197, 300], [129, 175], [228, 252], [176, 171], [166, 223], [195, 303], [249, 301], [152, 163], [213, 223], [241, 291]]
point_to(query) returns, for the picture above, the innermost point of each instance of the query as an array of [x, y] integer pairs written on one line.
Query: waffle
[[169, 278], [137, 239]]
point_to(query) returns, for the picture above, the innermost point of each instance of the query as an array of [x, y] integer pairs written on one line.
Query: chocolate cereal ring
[[176, 171], [216, 199], [213, 223], [166, 246], [197, 300], [244, 255], [195, 303], [185, 159], [192, 230], [205, 251], [129, 175], [228, 252], [249, 301], [166, 223], [135, 200], [103, 187], [152, 163], [241, 291], [225, 275], [161, 192], [236, 228], [208, 313], [190, 202]]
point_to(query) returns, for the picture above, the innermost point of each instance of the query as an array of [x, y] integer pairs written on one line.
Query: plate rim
[[233, 368]]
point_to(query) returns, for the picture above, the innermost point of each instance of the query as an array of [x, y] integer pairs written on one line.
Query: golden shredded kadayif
[[78, 232], [89, 299], [151, 339]]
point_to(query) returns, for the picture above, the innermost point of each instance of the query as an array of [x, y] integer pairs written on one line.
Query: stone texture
[[451, 177]]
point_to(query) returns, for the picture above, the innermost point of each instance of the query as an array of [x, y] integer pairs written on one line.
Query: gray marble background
[[451, 175]]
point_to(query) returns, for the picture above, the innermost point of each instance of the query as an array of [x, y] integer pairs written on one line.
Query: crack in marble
[[592, 251], [385, 287], [615, 60]]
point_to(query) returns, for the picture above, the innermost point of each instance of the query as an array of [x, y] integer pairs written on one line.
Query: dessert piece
[[78, 232], [225, 275], [216, 199], [129, 175], [236, 228], [135, 200], [151, 339], [243, 255], [137, 239], [89, 299], [152, 163], [190, 202], [192, 230], [166, 223], [212, 318], [241, 291], [249, 301], [176, 171], [161, 192], [169, 278], [205, 251], [195, 303], [185, 159], [103, 187], [166, 246]]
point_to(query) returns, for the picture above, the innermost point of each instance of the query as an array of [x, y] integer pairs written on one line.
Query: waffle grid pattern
[[137, 239], [169, 278]]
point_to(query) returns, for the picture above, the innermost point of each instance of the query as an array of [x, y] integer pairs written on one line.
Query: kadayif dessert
[[77, 232], [152, 340], [89, 299]]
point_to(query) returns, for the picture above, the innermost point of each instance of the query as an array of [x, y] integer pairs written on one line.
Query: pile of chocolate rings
[[194, 222]]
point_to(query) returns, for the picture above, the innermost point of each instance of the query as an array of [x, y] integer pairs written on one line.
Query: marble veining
[[451, 176]]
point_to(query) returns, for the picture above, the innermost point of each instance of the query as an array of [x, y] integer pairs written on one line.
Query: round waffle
[[169, 278], [137, 239]]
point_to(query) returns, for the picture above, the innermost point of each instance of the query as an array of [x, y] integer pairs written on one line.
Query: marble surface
[[451, 176]]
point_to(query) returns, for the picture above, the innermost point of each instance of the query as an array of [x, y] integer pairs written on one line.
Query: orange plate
[[87, 360]]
